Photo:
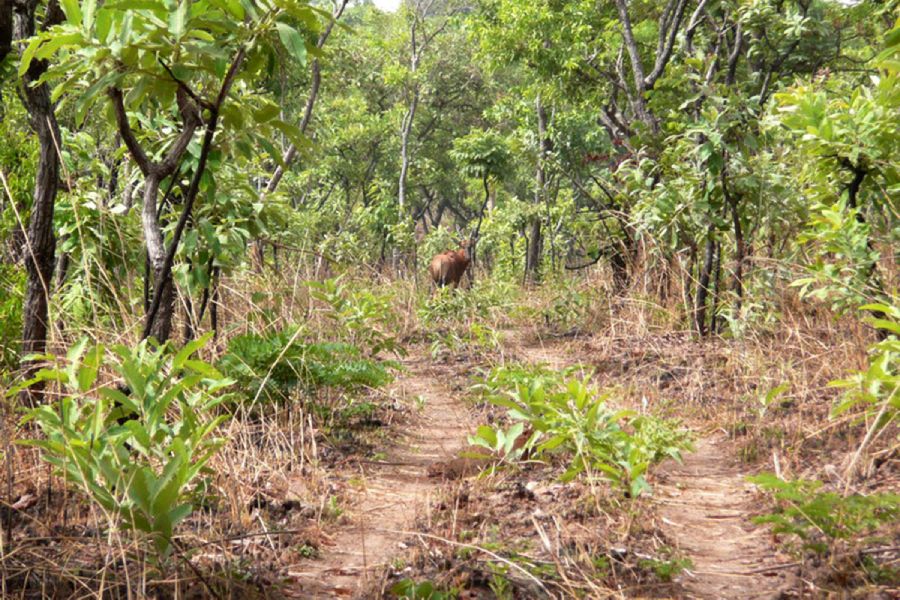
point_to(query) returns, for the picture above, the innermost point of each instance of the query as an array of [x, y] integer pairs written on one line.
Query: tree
[[171, 67], [40, 242], [484, 155]]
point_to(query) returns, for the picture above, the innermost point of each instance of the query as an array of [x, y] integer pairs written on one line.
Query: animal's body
[[448, 267]]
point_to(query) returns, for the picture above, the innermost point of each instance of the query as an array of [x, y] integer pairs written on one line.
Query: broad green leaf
[[72, 10], [293, 41]]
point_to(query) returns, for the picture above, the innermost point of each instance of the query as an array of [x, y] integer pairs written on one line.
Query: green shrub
[[818, 518], [569, 417], [407, 589], [487, 299], [138, 455], [875, 389], [362, 318], [269, 368], [567, 308]]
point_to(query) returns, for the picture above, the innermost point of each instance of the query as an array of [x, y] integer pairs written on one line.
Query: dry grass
[[283, 482]]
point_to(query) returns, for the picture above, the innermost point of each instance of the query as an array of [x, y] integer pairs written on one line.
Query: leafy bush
[[476, 338], [506, 377], [875, 389], [567, 416], [566, 309], [136, 455], [407, 589], [363, 318], [486, 299], [818, 517], [271, 367]]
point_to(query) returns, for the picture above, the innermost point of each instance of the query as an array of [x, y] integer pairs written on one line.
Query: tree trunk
[[717, 269], [535, 246], [739, 249], [703, 284], [533, 254], [156, 255], [40, 245], [6, 30], [405, 133], [214, 304]]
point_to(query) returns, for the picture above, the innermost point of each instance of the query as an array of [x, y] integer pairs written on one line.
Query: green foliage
[[566, 309], [362, 317], [570, 418], [135, 45], [12, 281], [875, 390], [270, 368], [485, 300], [407, 589], [476, 338], [18, 156], [851, 137], [502, 443], [667, 566], [818, 518], [137, 456], [482, 154]]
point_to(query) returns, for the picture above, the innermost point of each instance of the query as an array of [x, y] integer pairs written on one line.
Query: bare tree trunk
[[535, 245], [6, 28], [703, 284], [405, 133], [156, 255], [717, 269], [40, 243], [739, 245], [406, 126], [258, 253]]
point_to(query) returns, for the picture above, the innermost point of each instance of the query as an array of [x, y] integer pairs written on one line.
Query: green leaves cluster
[[875, 389], [270, 368], [818, 518], [482, 154], [567, 416], [363, 318], [151, 48], [136, 449]]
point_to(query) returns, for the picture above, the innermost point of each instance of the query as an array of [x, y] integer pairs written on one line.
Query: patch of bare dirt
[[391, 492], [705, 506]]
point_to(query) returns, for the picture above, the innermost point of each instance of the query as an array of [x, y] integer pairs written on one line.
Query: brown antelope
[[449, 267]]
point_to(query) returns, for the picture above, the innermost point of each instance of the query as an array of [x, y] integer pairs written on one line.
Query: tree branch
[[291, 152], [137, 153], [631, 45], [165, 275], [662, 58], [191, 117]]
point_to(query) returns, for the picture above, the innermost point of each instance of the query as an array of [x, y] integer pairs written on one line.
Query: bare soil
[[391, 492], [705, 505]]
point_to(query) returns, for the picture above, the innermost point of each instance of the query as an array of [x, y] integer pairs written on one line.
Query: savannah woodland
[[449, 299]]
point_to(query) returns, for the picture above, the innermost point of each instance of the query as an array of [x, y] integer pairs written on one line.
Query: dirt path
[[706, 505], [393, 491]]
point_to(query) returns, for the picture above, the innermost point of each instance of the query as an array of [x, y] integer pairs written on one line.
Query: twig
[[472, 547], [187, 90]]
